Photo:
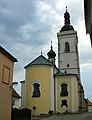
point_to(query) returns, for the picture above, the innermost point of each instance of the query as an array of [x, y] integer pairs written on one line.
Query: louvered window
[[67, 47]]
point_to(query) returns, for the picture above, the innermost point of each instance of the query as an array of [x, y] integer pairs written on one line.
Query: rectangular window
[[6, 75]]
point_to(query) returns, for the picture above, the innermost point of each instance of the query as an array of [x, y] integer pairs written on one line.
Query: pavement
[[81, 116], [78, 116]]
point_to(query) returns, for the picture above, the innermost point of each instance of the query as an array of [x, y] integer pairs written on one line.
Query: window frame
[[32, 91], [67, 47], [63, 91]]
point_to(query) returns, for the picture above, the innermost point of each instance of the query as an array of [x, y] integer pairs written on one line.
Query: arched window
[[67, 47], [64, 91], [64, 103], [36, 90]]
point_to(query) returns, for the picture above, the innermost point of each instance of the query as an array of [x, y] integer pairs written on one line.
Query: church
[[48, 88]]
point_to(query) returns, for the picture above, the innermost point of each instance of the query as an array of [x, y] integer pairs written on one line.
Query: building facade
[[68, 58], [66, 92], [6, 78], [51, 89], [15, 99], [40, 85]]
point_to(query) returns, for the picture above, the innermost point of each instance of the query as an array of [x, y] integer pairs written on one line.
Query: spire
[[67, 17], [41, 51], [67, 25], [51, 46]]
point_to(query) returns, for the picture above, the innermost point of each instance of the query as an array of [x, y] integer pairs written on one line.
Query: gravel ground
[[81, 116]]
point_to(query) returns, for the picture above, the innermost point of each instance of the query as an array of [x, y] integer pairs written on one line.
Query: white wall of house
[[89, 108], [23, 95], [16, 103]]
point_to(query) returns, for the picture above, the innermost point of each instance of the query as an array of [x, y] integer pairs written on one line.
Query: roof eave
[[65, 74], [38, 64], [8, 54]]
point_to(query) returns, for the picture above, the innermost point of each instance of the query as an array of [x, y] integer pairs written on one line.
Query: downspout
[[54, 95]]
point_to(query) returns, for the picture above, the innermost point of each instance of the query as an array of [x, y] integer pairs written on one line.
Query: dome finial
[[66, 8], [51, 42], [41, 51], [51, 45]]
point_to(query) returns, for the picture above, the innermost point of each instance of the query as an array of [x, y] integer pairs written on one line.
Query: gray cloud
[[29, 25]]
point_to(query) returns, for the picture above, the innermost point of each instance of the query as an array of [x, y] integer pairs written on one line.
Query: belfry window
[[67, 47], [36, 90], [64, 103], [64, 91]]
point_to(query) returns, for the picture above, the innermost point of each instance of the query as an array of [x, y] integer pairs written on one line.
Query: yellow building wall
[[6, 77], [71, 107], [42, 75]]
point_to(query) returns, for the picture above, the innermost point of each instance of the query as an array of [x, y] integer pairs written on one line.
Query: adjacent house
[[23, 94], [15, 99], [6, 78], [88, 105]]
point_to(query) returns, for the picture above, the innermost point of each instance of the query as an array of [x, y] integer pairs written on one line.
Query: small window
[[67, 48], [67, 65], [64, 103], [36, 90], [52, 61], [13, 102], [64, 91], [58, 46]]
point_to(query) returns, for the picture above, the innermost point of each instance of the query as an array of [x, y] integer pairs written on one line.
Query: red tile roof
[[15, 94], [89, 103]]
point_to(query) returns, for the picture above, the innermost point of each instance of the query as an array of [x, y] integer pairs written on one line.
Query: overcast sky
[[29, 26]]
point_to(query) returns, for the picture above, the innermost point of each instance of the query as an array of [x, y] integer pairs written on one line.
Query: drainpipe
[[54, 95]]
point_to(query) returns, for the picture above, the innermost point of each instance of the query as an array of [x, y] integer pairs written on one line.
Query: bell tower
[[68, 60]]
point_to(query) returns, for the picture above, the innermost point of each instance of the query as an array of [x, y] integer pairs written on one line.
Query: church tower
[[68, 60]]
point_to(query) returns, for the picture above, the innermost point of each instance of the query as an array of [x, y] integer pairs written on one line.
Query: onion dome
[[67, 25], [51, 53]]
